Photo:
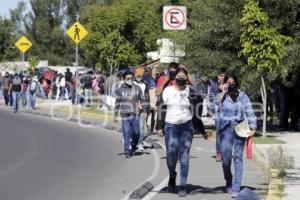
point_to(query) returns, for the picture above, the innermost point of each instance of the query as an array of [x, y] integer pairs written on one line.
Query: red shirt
[[162, 80]]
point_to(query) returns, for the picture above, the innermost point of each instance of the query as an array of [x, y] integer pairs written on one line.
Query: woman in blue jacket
[[233, 107]]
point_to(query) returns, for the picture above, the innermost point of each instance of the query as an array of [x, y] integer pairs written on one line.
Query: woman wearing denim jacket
[[233, 107]]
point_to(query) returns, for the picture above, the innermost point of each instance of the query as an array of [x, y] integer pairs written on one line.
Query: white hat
[[243, 129]]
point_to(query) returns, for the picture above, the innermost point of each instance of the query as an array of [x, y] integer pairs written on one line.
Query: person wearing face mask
[[129, 98], [1, 79], [145, 109], [215, 88], [233, 107], [5, 87], [179, 128], [167, 79]]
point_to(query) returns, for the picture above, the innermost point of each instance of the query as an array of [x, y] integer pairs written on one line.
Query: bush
[[280, 159]]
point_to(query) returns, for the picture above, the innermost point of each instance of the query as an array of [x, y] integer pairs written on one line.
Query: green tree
[[285, 17], [17, 16], [121, 33], [33, 63], [44, 27], [7, 40], [262, 46]]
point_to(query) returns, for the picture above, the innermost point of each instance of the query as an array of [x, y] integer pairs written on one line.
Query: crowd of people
[[18, 87], [168, 104], [177, 112]]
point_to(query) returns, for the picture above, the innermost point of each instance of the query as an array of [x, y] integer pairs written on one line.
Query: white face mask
[[138, 79], [128, 82]]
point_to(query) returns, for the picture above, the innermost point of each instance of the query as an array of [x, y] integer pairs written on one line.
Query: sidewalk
[[206, 180], [291, 181]]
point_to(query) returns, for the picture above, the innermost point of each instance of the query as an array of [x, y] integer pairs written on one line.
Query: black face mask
[[172, 75], [232, 89], [181, 82]]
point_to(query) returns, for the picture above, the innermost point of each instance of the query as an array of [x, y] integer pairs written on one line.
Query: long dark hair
[[180, 69], [234, 77]]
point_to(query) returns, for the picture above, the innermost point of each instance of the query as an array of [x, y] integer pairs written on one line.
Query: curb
[[142, 191], [275, 183]]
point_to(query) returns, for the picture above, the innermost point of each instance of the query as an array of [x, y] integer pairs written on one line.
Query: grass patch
[[267, 140], [90, 112]]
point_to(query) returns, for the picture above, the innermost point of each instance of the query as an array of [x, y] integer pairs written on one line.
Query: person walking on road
[[139, 74], [24, 92], [129, 98], [234, 107], [179, 128], [1, 80], [15, 90], [215, 88], [32, 90], [5, 87]]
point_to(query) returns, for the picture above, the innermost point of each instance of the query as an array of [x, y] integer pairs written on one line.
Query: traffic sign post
[[23, 44], [175, 18], [77, 33]]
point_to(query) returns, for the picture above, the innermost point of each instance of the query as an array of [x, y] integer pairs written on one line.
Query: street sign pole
[[77, 77], [23, 44], [77, 32], [23, 60]]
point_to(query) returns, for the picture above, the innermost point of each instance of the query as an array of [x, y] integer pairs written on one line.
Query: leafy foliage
[[33, 63], [262, 45], [7, 40], [121, 34]]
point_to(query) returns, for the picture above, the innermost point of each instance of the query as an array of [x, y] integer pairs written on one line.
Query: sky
[[5, 5]]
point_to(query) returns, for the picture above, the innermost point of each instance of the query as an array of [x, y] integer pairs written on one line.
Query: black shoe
[[172, 184], [182, 191], [127, 155]]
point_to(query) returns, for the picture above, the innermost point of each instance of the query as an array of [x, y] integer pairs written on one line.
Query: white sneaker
[[140, 147]]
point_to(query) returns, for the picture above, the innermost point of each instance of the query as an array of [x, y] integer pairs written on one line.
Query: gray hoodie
[[128, 100]]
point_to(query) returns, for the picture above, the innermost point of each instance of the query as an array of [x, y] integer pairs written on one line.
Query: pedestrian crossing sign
[[77, 32], [23, 44]]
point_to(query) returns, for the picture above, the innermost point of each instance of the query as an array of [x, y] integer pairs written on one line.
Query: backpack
[[17, 81], [87, 82]]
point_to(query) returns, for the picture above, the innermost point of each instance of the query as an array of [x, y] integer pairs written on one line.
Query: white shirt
[[178, 105], [142, 86]]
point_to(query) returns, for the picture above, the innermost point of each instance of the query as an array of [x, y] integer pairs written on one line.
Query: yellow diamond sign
[[77, 32], [23, 44]]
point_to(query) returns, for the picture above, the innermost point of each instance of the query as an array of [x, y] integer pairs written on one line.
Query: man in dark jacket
[[129, 101], [6, 83]]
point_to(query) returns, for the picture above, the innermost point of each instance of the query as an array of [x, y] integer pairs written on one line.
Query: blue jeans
[[131, 131], [24, 98], [87, 95], [31, 100], [232, 148], [42, 91], [142, 121], [16, 98], [6, 97], [178, 140], [218, 137]]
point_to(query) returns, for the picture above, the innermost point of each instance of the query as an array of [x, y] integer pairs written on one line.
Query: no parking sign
[[174, 18]]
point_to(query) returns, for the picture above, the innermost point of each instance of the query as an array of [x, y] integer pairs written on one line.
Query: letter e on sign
[[174, 18]]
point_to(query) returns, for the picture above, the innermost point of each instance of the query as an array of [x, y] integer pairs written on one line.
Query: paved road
[[42, 159]]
